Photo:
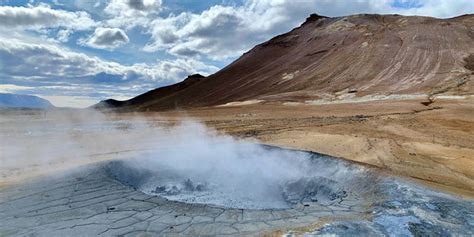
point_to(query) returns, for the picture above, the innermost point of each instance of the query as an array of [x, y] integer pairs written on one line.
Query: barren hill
[[334, 58], [23, 101]]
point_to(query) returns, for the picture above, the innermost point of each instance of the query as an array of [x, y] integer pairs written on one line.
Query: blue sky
[[75, 53]]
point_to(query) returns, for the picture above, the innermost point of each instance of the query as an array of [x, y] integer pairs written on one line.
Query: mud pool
[[121, 198], [393, 206], [313, 179]]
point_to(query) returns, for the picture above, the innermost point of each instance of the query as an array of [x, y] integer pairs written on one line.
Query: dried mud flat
[[432, 144]]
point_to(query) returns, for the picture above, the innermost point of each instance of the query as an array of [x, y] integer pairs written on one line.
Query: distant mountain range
[[338, 57], [23, 101]]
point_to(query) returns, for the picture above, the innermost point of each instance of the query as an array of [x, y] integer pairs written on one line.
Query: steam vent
[[265, 118], [130, 198]]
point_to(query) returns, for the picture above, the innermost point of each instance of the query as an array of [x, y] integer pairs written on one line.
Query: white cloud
[[223, 31], [43, 16], [11, 88], [227, 31], [106, 38], [130, 13], [46, 59], [63, 35], [22, 58], [143, 5], [54, 70]]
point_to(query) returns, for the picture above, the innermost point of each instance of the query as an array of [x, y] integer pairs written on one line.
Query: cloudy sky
[[75, 53]]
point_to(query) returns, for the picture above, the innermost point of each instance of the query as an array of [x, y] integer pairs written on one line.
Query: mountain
[[23, 101], [326, 57], [158, 96]]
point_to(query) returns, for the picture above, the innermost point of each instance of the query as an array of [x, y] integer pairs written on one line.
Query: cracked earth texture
[[90, 201]]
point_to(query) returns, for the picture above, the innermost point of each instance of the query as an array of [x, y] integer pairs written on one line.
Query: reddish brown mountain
[[152, 97], [324, 57]]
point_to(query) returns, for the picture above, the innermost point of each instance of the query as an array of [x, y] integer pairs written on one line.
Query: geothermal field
[[89, 173], [237, 118]]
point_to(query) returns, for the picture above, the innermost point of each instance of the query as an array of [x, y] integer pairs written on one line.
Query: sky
[[76, 53]]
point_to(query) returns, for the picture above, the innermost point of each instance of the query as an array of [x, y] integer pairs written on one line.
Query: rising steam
[[184, 161]]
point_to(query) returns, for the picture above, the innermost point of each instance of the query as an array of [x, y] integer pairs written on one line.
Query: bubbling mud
[[304, 178]]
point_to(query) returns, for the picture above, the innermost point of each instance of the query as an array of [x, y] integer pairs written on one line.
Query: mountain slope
[[23, 101], [157, 97], [335, 57]]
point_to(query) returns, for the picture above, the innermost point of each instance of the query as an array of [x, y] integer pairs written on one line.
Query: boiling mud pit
[[305, 184], [271, 178]]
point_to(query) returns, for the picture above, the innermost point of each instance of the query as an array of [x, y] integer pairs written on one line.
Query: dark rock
[[188, 185], [200, 187], [425, 229], [160, 189]]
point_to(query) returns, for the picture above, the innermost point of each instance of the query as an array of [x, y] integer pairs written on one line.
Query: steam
[[231, 172], [195, 164], [41, 142], [180, 160]]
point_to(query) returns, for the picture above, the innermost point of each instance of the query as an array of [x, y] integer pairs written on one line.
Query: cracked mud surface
[[90, 201]]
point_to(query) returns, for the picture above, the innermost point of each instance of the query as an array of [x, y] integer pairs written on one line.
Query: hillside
[[23, 101], [334, 58], [152, 97]]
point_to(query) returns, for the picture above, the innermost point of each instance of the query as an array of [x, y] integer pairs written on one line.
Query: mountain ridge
[[8, 100], [328, 58]]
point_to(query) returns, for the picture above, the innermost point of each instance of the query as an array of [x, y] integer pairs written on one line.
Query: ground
[[90, 203], [93, 201], [433, 144]]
